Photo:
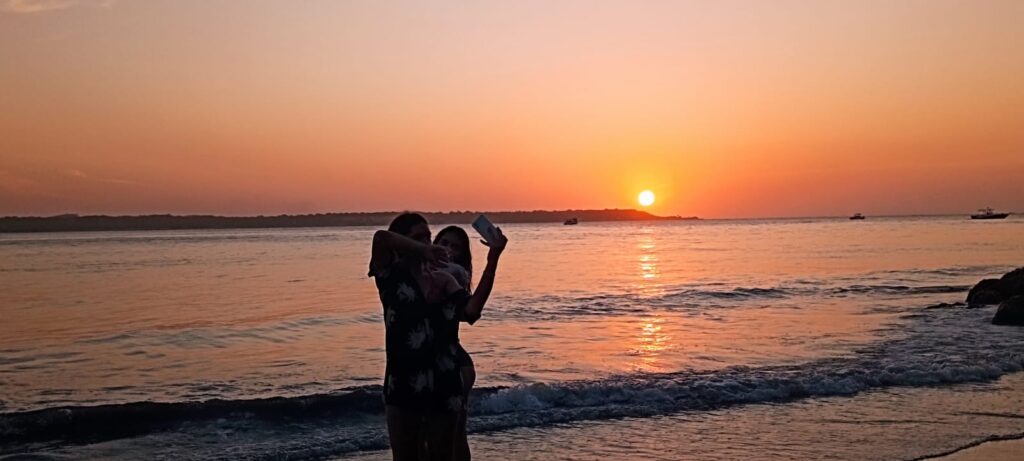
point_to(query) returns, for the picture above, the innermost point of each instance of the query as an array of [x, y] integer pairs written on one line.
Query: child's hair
[[465, 258]]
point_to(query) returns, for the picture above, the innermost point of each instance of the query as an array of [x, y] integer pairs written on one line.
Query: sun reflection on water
[[647, 263], [652, 341]]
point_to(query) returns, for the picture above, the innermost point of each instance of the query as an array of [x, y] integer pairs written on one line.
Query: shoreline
[[103, 223], [997, 448], [77, 223]]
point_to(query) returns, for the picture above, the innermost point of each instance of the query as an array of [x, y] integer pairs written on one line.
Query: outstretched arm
[[475, 306], [386, 244]]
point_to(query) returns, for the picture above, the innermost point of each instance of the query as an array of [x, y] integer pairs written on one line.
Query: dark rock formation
[[1012, 284], [1010, 312], [988, 291]]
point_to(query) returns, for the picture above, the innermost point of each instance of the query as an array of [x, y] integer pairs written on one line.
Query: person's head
[[412, 225], [457, 242]]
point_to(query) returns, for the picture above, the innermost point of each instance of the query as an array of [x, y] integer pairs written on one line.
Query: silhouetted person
[[460, 266], [423, 385]]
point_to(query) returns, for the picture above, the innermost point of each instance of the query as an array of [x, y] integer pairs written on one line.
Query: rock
[[988, 291], [1010, 312], [1012, 284]]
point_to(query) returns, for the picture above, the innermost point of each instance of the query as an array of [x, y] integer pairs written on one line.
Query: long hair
[[465, 257]]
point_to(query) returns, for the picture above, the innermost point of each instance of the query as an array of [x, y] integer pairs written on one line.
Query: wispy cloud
[[83, 175], [127, 182], [40, 6], [76, 173]]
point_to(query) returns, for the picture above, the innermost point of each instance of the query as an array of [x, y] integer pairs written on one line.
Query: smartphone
[[484, 227]]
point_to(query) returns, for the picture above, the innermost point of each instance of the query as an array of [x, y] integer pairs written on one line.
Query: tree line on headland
[[74, 222]]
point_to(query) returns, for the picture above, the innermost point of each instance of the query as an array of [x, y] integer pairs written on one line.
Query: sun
[[646, 198]]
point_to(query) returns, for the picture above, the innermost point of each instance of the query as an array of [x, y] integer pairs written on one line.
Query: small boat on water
[[987, 213], [857, 216], [571, 222]]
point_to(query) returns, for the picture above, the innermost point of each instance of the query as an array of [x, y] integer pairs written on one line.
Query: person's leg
[[461, 440], [424, 454], [404, 433], [461, 436], [441, 435]]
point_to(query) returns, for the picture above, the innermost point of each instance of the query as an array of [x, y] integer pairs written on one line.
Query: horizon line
[[729, 218]]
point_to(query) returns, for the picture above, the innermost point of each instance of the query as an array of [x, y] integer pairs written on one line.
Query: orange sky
[[724, 109]]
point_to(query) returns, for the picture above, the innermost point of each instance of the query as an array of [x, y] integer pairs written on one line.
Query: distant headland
[[74, 222]]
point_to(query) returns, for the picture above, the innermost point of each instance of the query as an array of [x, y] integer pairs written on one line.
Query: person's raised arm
[[475, 306], [387, 244]]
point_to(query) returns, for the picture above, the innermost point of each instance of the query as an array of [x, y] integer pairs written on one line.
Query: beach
[[1002, 450], [746, 339]]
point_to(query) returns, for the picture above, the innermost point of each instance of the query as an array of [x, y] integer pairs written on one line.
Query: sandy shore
[[1002, 450]]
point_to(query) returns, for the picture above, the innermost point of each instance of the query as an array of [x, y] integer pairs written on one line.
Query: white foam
[[924, 356]]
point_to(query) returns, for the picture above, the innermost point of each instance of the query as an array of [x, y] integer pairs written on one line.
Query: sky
[[723, 108]]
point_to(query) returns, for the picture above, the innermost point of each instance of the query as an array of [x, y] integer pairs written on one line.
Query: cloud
[[40, 6], [128, 182], [82, 175]]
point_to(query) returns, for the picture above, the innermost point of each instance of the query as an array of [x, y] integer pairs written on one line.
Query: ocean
[[714, 339]]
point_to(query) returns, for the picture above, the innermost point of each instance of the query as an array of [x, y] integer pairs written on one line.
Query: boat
[[571, 222], [857, 216], [987, 213]]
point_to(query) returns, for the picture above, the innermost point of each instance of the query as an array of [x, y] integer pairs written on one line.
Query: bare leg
[[404, 428], [461, 437], [441, 435]]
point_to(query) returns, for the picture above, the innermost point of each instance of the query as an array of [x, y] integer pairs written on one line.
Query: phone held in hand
[[485, 228]]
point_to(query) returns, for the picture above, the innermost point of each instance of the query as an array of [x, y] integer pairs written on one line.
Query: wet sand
[[1001, 450]]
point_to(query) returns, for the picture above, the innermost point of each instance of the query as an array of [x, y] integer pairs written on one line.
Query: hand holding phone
[[485, 228]]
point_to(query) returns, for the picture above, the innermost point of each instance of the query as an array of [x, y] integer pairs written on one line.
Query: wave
[[941, 347], [103, 422], [951, 271], [936, 347], [702, 297], [900, 289], [685, 298]]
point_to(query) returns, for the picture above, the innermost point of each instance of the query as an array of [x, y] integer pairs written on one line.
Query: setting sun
[[646, 198]]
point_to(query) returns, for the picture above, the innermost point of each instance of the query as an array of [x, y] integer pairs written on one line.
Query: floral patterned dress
[[421, 341]]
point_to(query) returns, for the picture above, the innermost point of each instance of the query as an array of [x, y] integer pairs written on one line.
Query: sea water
[[767, 339]]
